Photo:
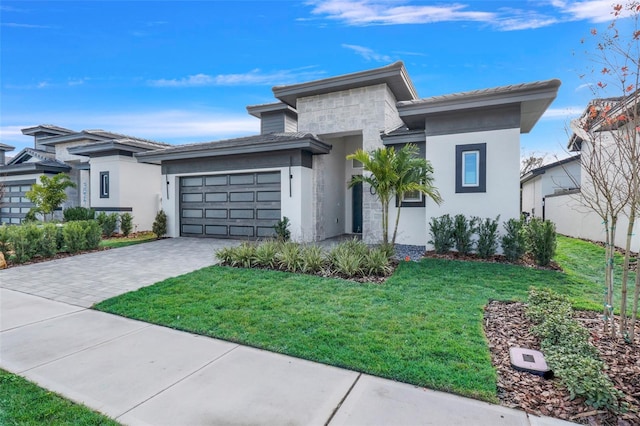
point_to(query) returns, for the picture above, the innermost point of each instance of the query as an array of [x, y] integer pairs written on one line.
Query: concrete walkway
[[142, 374], [87, 279]]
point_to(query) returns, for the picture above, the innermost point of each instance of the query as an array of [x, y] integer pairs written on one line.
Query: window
[[104, 184], [412, 196], [471, 168]]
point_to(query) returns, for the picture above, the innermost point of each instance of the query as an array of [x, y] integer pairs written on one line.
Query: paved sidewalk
[[142, 374], [90, 278]]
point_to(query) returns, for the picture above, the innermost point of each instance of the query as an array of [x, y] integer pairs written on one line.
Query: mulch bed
[[506, 326], [527, 260]]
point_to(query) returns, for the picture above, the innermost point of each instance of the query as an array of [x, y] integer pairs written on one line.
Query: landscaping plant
[[74, 237], [290, 257], [50, 193], [463, 231], [514, 243], [487, 237], [541, 240], [126, 224], [48, 246], [78, 213], [441, 231], [159, 226], [265, 254], [313, 259], [108, 223], [282, 229]]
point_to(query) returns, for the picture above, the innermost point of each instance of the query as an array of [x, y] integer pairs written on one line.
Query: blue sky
[[185, 71]]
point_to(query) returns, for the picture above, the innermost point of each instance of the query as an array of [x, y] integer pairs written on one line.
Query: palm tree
[[394, 173]]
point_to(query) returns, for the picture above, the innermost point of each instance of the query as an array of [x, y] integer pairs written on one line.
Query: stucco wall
[[574, 219], [502, 196], [364, 111], [131, 185], [554, 179]]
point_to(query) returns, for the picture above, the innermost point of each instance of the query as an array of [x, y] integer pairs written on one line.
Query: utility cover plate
[[530, 361]]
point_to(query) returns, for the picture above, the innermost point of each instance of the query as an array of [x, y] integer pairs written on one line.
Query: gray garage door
[[243, 205]]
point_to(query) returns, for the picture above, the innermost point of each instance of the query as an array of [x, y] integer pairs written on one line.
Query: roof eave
[[258, 110]]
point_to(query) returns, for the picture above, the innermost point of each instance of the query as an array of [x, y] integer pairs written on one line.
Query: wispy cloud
[[562, 113], [253, 77], [388, 12], [392, 12], [172, 126], [367, 53], [28, 26]]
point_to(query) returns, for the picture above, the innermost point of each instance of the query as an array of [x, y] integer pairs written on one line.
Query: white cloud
[[172, 126], [563, 113], [253, 77], [590, 10], [367, 53], [388, 12], [18, 25]]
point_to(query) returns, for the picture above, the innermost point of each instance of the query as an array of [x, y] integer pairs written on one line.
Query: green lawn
[[128, 241], [24, 403], [423, 326]]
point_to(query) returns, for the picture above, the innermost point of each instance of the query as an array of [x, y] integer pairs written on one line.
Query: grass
[[24, 403], [128, 241], [423, 326]]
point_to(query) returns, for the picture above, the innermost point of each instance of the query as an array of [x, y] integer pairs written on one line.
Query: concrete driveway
[[87, 279]]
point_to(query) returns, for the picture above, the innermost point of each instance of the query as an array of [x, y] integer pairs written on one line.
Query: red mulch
[[507, 326]]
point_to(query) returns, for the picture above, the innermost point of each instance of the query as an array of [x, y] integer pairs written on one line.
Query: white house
[[297, 168], [569, 211], [101, 164], [550, 180]]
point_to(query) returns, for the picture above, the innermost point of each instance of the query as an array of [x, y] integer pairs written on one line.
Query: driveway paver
[[87, 279]]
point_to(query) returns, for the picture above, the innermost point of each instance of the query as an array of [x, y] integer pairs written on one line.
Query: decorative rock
[[3, 262]]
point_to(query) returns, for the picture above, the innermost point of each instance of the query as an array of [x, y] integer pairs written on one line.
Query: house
[[296, 166], [550, 180], [101, 164], [569, 210]]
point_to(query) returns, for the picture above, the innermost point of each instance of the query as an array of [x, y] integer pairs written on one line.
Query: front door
[[356, 192]]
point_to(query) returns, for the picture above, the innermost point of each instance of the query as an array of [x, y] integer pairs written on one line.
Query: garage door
[[243, 205]]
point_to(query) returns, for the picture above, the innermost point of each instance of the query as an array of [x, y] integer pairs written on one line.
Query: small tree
[[50, 193], [159, 226], [394, 173]]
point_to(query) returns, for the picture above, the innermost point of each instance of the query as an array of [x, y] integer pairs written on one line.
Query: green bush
[[5, 240], [265, 254], [487, 237], [290, 257], [49, 243], [514, 243], [463, 231], [376, 262], [31, 216], [78, 213], [25, 240], [74, 236], [243, 255], [126, 223], [282, 229], [225, 255], [313, 259], [541, 240], [441, 231], [108, 223], [92, 234], [567, 350], [348, 258], [159, 226]]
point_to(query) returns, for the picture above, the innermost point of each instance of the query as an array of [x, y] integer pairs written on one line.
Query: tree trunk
[[625, 275], [610, 271], [395, 228], [636, 296], [385, 221]]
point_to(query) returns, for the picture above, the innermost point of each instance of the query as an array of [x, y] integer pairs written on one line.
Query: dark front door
[[356, 192]]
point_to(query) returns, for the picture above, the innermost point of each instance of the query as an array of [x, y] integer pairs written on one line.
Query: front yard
[[422, 326]]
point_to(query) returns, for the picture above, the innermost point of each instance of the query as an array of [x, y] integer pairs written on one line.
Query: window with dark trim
[[412, 199], [104, 184], [471, 168]]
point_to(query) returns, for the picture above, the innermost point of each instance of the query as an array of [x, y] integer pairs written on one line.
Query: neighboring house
[[297, 168], [550, 180], [569, 211], [101, 164]]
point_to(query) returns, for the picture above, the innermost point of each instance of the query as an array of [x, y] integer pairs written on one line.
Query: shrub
[[376, 262], [92, 234], [513, 241], [49, 243], [225, 255], [389, 250], [568, 352], [488, 237], [5, 240], [74, 236], [25, 240], [463, 231], [159, 226], [242, 256], [290, 257], [108, 223], [126, 223], [441, 230], [541, 240], [282, 229], [313, 259], [31, 216], [78, 213], [347, 258], [265, 254]]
